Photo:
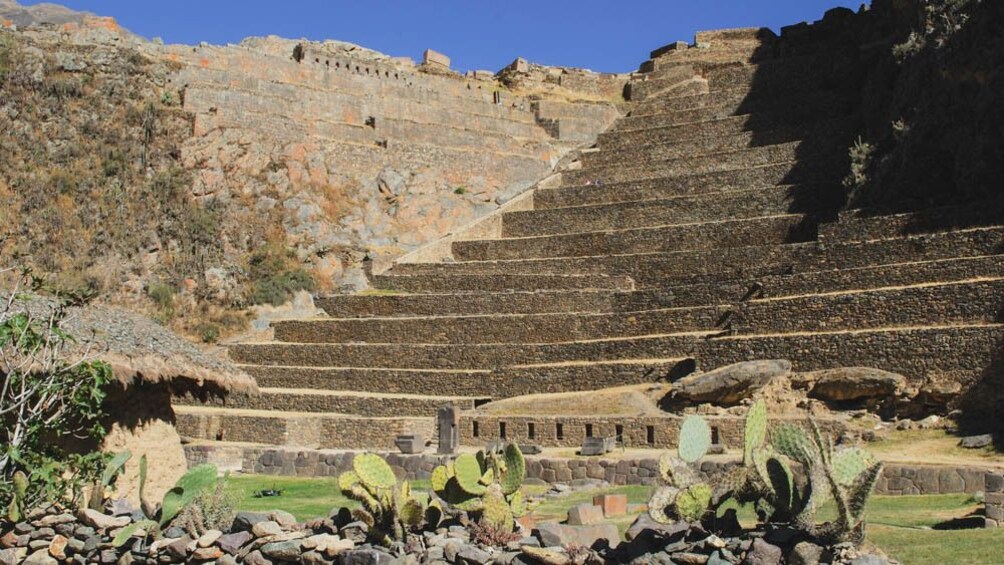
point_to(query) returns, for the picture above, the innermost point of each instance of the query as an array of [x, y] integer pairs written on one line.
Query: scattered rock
[[763, 553], [244, 521], [584, 514], [805, 553], [551, 535], [40, 557], [266, 528], [727, 386], [855, 383], [232, 543], [977, 442], [101, 521]]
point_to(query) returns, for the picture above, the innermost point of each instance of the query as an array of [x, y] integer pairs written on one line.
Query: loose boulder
[[729, 385], [855, 384]]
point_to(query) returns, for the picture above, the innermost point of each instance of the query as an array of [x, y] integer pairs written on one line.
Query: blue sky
[[604, 35]]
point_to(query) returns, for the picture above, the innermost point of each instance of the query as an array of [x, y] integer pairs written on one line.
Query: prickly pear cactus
[[373, 471], [792, 441], [756, 430], [692, 503], [486, 484], [695, 439], [497, 512], [512, 470], [388, 508], [849, 464], [469, 473]]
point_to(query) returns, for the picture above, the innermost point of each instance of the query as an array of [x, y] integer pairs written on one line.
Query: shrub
[[278, 289], [45, 395], [163, 297], [208, 332]]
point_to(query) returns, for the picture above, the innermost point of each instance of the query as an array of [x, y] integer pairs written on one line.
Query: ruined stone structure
[[369, 154], [702, 230]]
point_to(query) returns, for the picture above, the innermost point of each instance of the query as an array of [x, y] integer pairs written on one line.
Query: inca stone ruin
[[700, 229]]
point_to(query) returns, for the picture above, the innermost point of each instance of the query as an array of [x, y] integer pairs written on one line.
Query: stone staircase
[[701, 231]]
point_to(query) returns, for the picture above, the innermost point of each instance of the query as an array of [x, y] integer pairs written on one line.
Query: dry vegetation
[[96, 196]]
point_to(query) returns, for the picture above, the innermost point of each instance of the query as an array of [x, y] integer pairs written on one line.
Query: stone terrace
[[701, 231]]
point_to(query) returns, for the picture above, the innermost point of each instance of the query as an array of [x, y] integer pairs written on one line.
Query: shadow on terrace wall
[[934, 119]]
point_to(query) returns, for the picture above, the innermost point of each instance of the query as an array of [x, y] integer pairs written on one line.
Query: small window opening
[[559, 431], [502, 430], [619, 432], [650, 434], [531, 431], [589, 430], [475, 431], [715, 436]]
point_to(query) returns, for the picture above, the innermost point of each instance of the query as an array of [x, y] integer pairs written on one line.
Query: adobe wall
[[360, 153]]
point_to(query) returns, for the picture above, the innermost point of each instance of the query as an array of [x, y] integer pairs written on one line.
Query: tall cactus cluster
[[388, 508], [846, 475], [486, 485]]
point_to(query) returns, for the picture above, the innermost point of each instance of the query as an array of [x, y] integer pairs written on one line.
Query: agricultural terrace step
[[466, 356], [650, 270], [303, 429], [496, 328], [505, 282], [501, 383], [734, 205], [700, 294], [586, 193], [928, 304], [824, 164], [736, 101], [656, 150], [918, 352], [778, 76], [784, 75], [770, 230], [338, 402], [704, 121], [862, 225], [974, 301]]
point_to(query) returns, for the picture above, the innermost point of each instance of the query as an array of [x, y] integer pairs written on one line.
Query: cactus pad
[[518, 504], [756, 430], [373, 471], [792, 441], [469, 474], [848, 464], [346, 481], [412, 513], [496, 512], [691, 504], [512, 472], [439, 478], [781, 481], [695, 439]]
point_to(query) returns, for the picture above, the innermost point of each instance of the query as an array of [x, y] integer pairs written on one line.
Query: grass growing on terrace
[[901, 525]]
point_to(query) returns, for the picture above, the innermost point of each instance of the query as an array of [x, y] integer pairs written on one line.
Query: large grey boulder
[[854, 383], [729, 385]]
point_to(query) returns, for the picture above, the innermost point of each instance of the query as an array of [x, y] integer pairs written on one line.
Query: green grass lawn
[[900, 525]]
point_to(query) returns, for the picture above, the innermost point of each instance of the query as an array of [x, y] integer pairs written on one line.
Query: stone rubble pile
[[276, 537]]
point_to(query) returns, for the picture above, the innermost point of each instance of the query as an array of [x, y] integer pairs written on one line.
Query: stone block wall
[[994, 498], [896, 479]]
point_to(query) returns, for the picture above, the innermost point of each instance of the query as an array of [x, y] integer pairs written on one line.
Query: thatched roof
[[141, 350]]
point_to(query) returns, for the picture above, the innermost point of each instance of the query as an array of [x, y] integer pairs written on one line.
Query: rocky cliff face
[[202, 179]]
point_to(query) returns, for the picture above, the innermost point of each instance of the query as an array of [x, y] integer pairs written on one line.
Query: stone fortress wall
[[367, 154]]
